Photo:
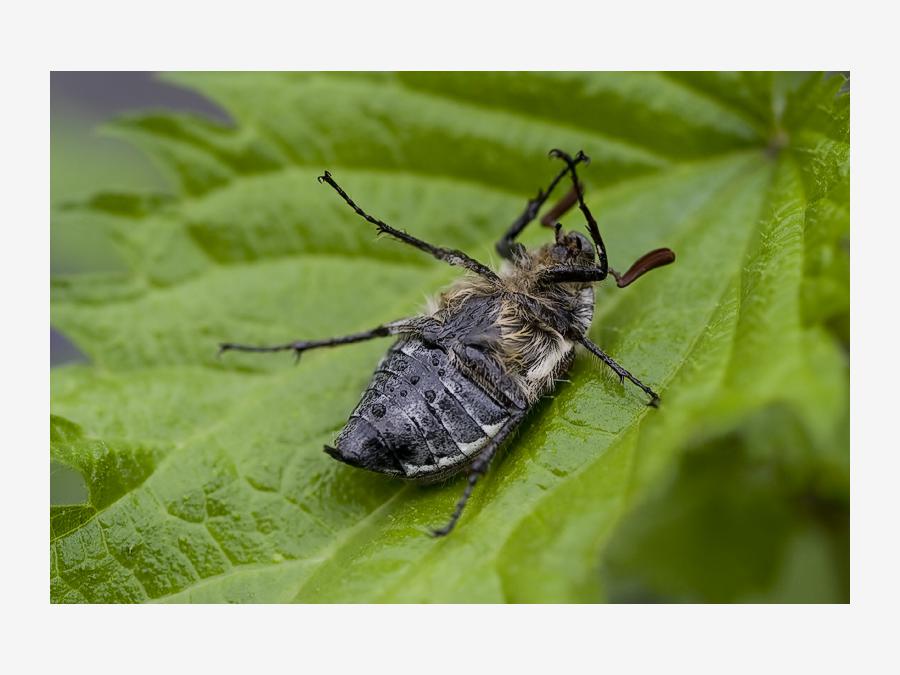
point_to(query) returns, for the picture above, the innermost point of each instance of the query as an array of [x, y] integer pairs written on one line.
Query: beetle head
[[571, 249]]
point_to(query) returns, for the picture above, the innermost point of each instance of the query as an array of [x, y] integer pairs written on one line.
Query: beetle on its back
[[461, 378]]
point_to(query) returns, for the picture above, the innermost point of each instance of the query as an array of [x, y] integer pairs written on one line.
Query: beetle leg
[[413, 325], [448, 255], [507, 245], [561, 274], [579, 195], [477, 470], [619, 370]]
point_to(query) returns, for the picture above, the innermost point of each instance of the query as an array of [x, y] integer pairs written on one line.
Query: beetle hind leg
[[477, 470]]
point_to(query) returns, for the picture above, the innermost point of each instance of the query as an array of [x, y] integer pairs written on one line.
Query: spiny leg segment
[[412, 325], [603, 264], [507, 244], [619, 370], [478, 468], [450, 256]]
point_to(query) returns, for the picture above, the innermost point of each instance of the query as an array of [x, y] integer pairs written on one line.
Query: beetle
[[461, 378]]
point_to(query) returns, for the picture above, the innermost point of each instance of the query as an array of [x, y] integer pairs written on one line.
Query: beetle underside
[[460, 379]]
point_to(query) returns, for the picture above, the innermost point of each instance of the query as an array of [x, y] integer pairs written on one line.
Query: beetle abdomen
[[420, 417]]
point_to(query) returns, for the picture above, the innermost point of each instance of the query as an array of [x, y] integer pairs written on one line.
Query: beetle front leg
[[619, 370], [507, 245]]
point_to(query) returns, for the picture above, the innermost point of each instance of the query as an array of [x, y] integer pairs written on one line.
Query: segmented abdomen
[[420, 417]]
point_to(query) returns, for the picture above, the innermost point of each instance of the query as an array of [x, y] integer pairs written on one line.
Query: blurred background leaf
[[204, 480]]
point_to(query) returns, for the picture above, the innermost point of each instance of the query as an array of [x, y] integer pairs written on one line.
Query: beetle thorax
[[527, 328], [537, 336]]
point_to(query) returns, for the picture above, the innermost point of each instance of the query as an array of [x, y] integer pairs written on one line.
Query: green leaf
[[206, 477], [736, 521]]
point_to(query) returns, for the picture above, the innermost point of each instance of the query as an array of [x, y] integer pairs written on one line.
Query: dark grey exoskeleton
[[460, 378]]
